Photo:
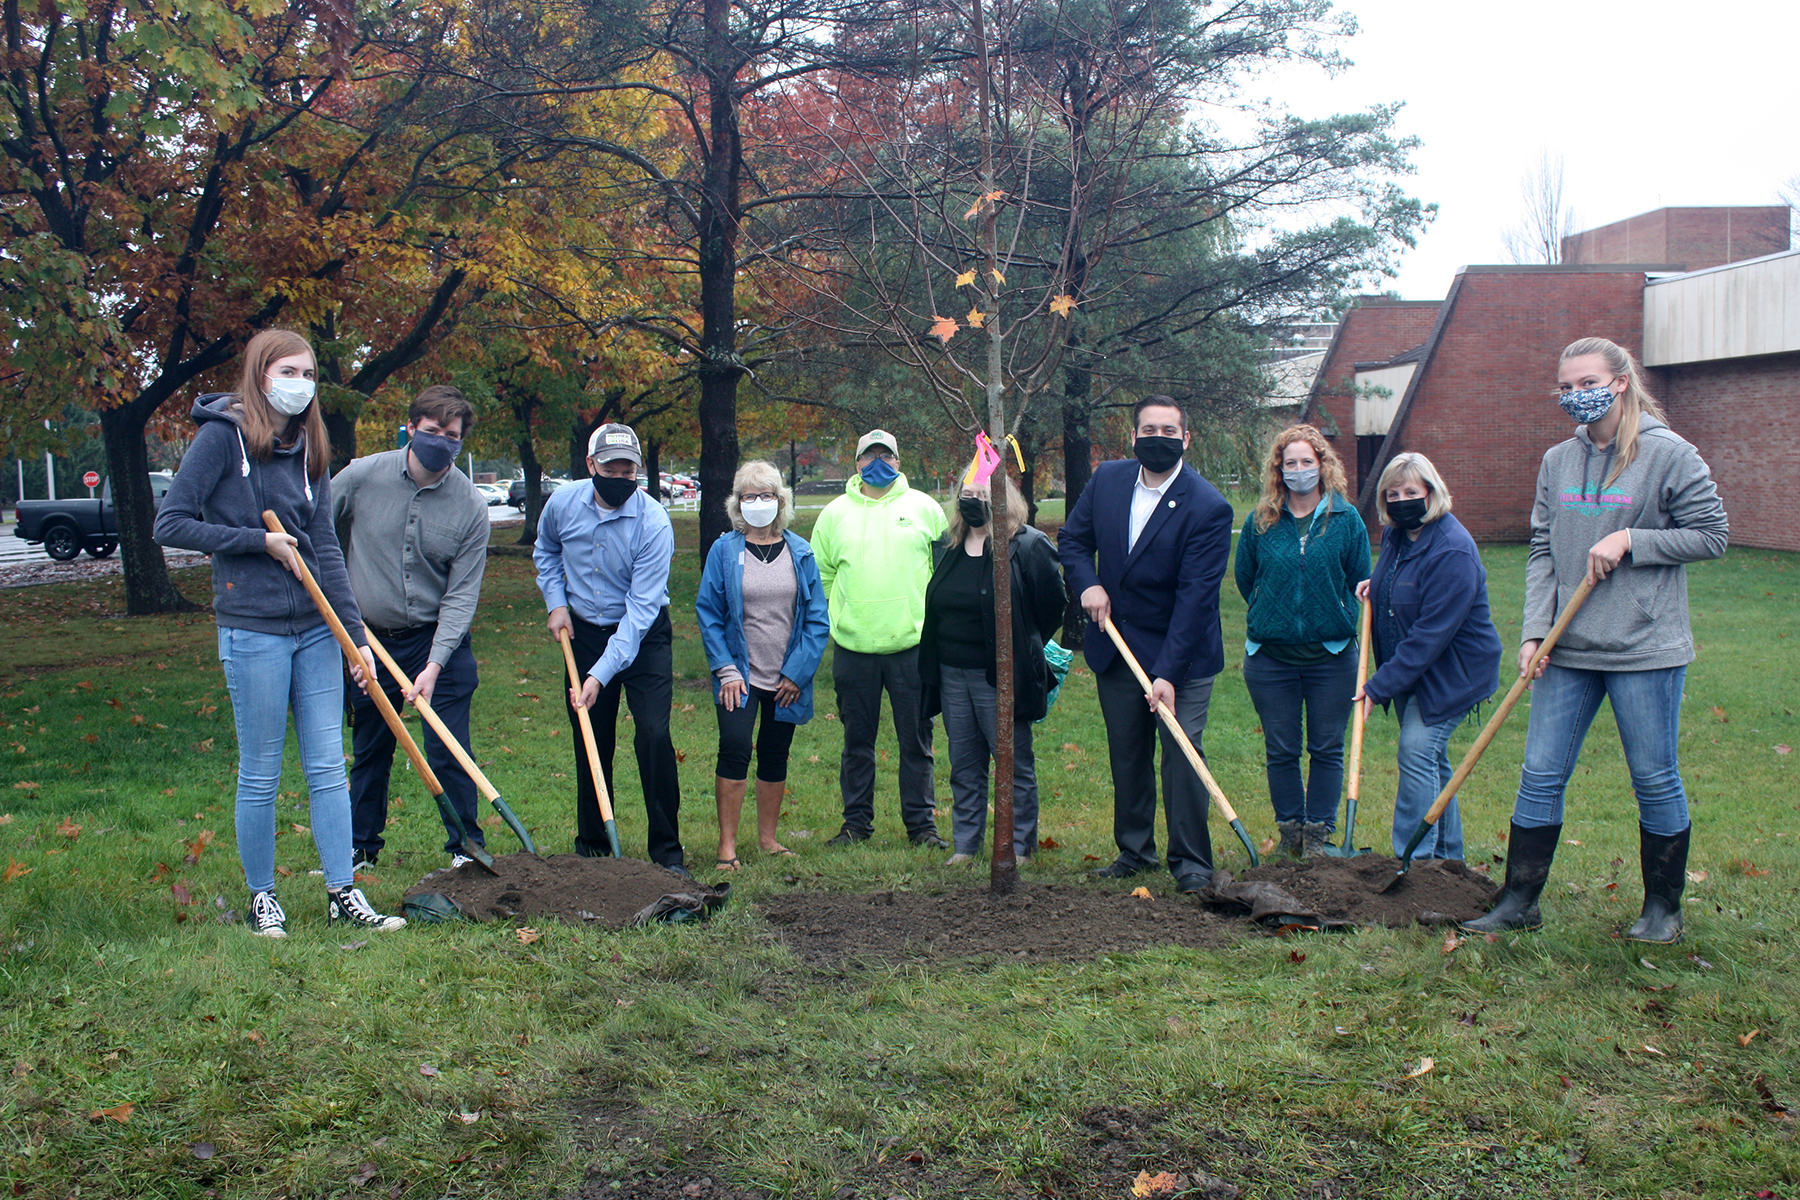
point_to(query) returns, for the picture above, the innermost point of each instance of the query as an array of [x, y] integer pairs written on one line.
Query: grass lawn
[[154, 1049]]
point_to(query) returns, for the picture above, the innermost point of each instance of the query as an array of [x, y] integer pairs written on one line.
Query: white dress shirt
[[1144, 500]]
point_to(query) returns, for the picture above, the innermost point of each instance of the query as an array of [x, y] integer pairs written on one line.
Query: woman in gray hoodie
[[1627, 503], [260, 450]]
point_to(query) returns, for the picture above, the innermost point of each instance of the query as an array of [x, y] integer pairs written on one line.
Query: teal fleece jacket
[[1300, 592], [1637, 618], [875, 557]]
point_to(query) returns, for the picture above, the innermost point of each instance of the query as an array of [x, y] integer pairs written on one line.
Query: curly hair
[[1274, 490]]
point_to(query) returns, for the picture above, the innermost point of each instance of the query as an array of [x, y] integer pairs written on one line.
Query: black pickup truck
[[67, 527]]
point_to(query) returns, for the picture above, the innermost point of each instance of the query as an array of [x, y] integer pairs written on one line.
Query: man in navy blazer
[[1147, 544]]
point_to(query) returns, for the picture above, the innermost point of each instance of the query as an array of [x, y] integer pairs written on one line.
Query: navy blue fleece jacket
[[216, 505], [1448, 651]]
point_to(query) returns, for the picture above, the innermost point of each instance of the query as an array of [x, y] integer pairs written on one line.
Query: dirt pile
[[611, 893], [1346, 891]]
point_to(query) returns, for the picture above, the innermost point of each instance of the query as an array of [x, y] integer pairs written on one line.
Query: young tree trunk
[[524, 408], [653, 467], [148, 587], [718, 234]]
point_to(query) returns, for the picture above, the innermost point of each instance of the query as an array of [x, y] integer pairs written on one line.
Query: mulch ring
[[1062, 922], [609, 893]]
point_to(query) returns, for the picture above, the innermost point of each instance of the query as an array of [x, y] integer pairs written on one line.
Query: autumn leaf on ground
[[1048, 843], [68, 829], [27, 784], [468, 1118], [975, 318], [429, 1071], [1062, 305], [1160, 1184], [14, 869], [6, 818], [1719, 714], [1744, 1039], [1142, 893], [1424, 1067], [944, 328], [119, 1112], [363, 1174], [1696, 876], [1266, 845], [1451, 942], [966, 278], [1784, 749], [180, 892], [528, 935]]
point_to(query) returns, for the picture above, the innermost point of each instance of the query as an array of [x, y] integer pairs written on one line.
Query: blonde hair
[[261, 424], [1275, 490], [1412, 467], [1016, 510], [1633, 405], [764, 476]]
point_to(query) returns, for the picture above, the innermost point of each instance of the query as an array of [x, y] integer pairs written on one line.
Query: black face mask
[[613, 492], [1157, 453], [1408, 514], [974, 510]]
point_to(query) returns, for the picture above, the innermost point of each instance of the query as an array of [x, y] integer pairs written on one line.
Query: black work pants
[[1132, 731]]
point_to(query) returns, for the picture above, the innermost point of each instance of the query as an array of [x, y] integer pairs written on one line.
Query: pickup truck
[[67, 527]]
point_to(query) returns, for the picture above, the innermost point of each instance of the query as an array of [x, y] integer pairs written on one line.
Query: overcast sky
[[1650, 104]]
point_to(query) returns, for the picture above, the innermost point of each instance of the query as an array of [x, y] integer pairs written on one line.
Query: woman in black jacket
[[956, 659]]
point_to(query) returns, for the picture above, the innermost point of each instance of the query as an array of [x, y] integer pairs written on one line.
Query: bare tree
[[1789, 194], [1546, 221]]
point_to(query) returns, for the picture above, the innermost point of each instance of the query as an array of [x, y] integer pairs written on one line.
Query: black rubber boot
[[1528, 855], [1664, 857]]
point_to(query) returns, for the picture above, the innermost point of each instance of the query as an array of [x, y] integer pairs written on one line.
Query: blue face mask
[[434, 451], [1587, 405], [879, 473]]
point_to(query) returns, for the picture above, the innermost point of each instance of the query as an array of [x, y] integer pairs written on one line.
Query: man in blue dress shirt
[[603, 557]]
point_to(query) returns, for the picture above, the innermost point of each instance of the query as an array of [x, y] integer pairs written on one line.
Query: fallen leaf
[[1744, 1039], [623, 1003], [27, 784], [1649, 1049], [528, 935], [1571, 842], [1647, 964], [363, 1174], [119, 1112], [1700, 962], [351, 945], [1049, 843], [6, 818], [1142, 893], [180, 892], [1295, 957], [1160, 1184], [14, 869], [68, 829], [1424, 1067], [1719, 713], [1451, 942], [1265, 846], [1696, 876], [1784, 749], [944, 328], [429, 1071], [300, 829]]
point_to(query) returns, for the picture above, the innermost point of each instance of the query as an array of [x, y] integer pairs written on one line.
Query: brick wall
[[1696, 238], [1741, 415], [1375, 330], [1482, 413]]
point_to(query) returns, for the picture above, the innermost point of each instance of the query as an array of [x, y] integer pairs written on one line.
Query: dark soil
[[606, 892], [1037, 923], [1346, 891]]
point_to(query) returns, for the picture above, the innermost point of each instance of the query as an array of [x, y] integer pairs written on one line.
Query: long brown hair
[[1636, 403], [1016, 511], [261, 424], [1274, 490]]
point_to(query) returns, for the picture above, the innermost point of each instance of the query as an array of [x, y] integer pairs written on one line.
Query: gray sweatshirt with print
[[1637, 618]]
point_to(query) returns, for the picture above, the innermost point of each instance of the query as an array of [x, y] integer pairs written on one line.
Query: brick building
[[1467, 380]]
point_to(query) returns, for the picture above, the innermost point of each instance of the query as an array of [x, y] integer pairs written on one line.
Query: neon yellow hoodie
[[875, 558]]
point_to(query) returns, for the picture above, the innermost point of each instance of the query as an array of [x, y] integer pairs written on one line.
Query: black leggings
[[771, 743]]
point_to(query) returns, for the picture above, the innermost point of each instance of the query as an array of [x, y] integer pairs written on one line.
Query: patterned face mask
[[1588, 404]]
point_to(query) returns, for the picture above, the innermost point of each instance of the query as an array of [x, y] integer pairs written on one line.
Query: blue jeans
[[1318, 694], [269, 673], [1424, 765], [1646, 707], [969, 710]]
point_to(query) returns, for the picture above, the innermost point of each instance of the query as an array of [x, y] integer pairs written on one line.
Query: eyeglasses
[[752, 497]]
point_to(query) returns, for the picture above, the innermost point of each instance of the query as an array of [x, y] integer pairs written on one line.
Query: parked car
[[493, 493], [515, 491], [67, 527]]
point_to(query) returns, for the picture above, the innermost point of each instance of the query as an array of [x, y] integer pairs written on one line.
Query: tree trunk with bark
[[148, 585]]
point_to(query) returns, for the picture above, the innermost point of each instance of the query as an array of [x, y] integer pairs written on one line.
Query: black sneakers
[[846, 837], [266, 917], [351, 907]]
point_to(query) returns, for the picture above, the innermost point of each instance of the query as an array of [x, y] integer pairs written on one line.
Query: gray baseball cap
[[877, 437], [615, 441]]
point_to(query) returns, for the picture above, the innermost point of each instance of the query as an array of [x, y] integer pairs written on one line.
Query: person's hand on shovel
[[1368, 705], [1605, 555], [424, 683], [285, 549], [1161, 692], [590, 692]]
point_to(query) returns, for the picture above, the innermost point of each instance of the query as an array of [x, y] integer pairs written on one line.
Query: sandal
[[727, 864]]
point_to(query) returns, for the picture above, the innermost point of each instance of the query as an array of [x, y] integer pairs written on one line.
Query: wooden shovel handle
[[430, 717], [1174, 726], [354, 656], [1506, 706], [587, 728], [1367, 625]]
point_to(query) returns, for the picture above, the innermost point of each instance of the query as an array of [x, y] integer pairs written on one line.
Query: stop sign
[[91, 479]]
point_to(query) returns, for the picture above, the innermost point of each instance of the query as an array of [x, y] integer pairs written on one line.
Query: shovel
[[452, 818], [593, 752], [1488, 731], [457, 752], [1181, 739], [1354, 786]]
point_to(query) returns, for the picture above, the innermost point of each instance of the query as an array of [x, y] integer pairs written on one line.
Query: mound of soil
[[1038, 923], [607, 892], [1345, 891]]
